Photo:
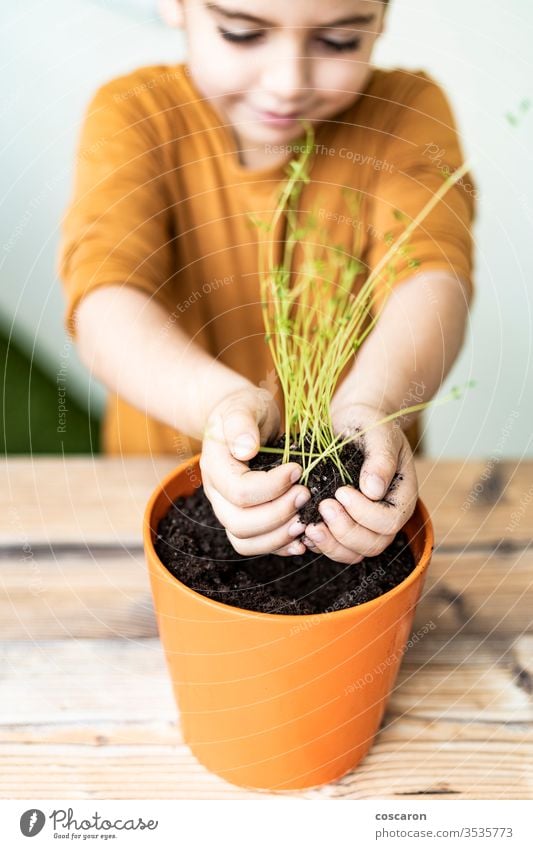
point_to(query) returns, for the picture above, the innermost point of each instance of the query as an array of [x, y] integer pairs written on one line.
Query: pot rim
[[292, 618]]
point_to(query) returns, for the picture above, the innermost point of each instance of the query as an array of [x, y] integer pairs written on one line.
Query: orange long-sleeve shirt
[[162, 203]]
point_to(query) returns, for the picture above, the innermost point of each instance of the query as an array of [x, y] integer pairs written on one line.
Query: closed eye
[[254, 36], [239, 37], [339, 46]]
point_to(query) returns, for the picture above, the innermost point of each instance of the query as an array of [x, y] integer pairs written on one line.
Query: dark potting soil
[[194, 547]]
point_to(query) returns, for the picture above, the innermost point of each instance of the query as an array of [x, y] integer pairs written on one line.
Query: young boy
[[160, 263]]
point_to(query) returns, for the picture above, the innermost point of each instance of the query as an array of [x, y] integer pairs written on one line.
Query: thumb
[[380, 464], [241, 432]]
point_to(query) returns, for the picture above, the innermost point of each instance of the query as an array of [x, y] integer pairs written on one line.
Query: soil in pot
[[194, 547]]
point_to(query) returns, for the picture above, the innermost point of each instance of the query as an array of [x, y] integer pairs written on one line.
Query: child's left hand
[[360, 524]]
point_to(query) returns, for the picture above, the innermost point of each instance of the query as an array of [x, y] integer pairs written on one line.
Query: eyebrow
[[352, 20]]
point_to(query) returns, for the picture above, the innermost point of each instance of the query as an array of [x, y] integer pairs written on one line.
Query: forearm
[[127, 341], [411, 349]]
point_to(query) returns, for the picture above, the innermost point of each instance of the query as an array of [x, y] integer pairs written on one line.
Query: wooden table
[[86, 708]]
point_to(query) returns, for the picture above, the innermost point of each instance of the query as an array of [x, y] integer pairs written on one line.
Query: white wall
[[481, 52], [55, 53], [58, 51]]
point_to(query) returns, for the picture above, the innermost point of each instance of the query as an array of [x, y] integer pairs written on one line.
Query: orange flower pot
[[274, 701]]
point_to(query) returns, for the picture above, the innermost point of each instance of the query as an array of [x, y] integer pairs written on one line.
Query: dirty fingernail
[[314, 534], [296, 528]]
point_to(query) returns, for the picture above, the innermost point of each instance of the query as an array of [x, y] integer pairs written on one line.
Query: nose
[[286, 78]]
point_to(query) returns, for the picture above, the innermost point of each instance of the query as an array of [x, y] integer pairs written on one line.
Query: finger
[[243, 423], [351, 535], [241, 432], [266, 543], [390, 515], [382, 447], [325, 542], [260, 519], [310, 544], [291, 550], [237, 483]]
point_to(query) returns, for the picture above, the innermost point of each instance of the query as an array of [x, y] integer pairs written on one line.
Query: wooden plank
[[110, 772], [73, 595], [468, 770], [101, 500], [88, 681], [459, 724], [95, 596], [478, 503], [417, 769], [79, 681], [77, 499], [479, 593], [101, 710]]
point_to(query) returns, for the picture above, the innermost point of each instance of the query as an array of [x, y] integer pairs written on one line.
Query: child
[[160, 262]]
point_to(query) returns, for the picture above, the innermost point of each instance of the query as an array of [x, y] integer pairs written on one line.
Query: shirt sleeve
[[422, 149], [117, 228]]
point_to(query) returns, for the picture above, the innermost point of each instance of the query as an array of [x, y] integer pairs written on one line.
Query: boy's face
[[264, 63]]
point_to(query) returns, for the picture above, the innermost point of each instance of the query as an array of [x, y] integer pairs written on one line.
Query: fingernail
[[295, 548], [301, 499], [328, 512], [296, 475], [343, 497], [296, 528], [374, 486], [314, 534], [243, 444]]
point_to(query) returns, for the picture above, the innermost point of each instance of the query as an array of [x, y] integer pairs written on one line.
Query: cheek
[[229, 73], [339, 81]]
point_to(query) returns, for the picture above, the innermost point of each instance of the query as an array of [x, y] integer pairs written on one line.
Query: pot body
[[274, 701]]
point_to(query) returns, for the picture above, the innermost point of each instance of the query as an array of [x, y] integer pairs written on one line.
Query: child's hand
[[363, 524], [257, 508]]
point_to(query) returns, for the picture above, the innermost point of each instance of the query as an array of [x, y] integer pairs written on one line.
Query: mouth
[[284, 119]]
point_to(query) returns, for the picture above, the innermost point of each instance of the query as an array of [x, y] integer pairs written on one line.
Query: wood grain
[[85, 701], [101, 500]]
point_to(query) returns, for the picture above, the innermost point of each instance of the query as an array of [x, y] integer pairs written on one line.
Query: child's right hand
[[257, 508]]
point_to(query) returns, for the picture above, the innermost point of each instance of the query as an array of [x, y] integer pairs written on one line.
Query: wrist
[[211, 382], [358, 393]]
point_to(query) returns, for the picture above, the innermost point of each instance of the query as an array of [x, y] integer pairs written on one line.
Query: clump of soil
[[194, 547], [325, 477]]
